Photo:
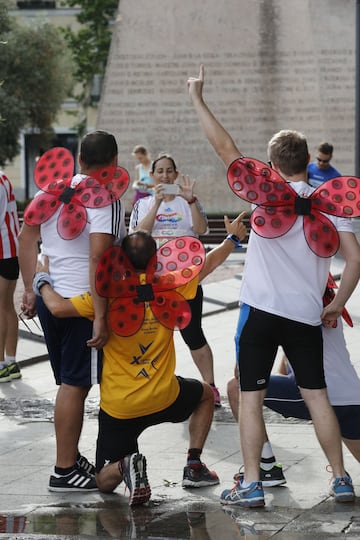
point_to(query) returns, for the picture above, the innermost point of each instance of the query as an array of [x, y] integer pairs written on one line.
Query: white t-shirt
[[342, 380], [172, 219], [69, 259], [283, 276]]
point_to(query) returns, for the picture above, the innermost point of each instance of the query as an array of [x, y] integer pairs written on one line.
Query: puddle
[[153, 522]]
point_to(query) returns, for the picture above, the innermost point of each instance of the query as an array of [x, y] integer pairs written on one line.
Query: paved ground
[[302, 509]]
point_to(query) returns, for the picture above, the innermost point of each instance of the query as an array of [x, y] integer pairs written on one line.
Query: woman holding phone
[[175, 211]]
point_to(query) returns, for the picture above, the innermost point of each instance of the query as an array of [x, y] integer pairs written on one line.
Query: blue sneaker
[[249, 497], [342, 489]]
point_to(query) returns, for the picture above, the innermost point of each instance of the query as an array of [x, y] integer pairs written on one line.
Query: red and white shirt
[[9, 220]]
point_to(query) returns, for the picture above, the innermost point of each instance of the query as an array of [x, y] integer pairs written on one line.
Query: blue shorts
[[117, 437], [72, 361], [283, 396]]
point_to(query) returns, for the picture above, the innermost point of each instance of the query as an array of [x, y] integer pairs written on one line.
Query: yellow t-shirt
[[138, 375]]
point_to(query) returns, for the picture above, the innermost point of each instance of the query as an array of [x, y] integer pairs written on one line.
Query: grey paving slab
[[301, 509]]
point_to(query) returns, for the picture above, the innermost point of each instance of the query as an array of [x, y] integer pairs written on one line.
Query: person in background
[[9, 273], [281, 305], [138, 387], [72, 265], [321, 170], [166, 215], [143, 183]]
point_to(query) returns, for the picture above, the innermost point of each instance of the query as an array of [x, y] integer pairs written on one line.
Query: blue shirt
[[317, 176]]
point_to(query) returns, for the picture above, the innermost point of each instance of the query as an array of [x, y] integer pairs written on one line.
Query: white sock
[[267, 457], [9, 360]]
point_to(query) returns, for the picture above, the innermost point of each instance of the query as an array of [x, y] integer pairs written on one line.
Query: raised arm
[[237, 230], [217, 136]]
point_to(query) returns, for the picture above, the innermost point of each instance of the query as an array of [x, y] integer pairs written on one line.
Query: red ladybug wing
[[41, 208], [171, 309], [126, 316], [338, 197], [347, 318], [71, 221], [321, 235], [270, 222], [55, 164], [257, 183], [176, 263], [331, 283], [115, 276], [115, 181]]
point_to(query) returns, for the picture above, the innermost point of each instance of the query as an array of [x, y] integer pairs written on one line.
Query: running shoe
[[84, 464], [217, 402], [5, 374], [199, 477], [14, 370], [77, 480], [273, 477], [134, 474], [342, 489], [248, 497]]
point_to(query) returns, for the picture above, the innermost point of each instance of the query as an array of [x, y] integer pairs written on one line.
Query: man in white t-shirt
[[281, 305], [72, 265]]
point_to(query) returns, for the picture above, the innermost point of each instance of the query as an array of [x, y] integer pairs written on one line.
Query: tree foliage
[[36, 77], [91, 43]]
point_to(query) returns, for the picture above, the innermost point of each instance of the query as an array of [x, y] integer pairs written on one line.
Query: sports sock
[[267, 460], [9, 360], [193, 457], [64, 471]]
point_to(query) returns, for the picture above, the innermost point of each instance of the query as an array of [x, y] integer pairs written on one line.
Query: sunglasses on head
[[323, 160]]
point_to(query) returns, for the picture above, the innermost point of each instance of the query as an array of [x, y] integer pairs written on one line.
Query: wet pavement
[[302, 509]]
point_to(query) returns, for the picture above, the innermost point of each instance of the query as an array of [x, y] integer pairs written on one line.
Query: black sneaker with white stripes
[[77, 480], [84, 464]]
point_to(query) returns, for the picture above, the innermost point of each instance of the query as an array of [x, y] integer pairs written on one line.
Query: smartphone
[[171, 189]]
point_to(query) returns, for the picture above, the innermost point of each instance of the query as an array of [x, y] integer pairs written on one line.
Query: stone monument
[[270, 65]]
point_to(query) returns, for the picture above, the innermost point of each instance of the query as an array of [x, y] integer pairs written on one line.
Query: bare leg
[[204, 361], [5, 303], [12, 324], [233, 392], [326, 427], [109, 477], [252, 432], [201, 418], [68, 419]]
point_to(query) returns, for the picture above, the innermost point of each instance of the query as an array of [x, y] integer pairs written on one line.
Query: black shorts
[[117, 438], [193, 334], [9, 268], [258, 336]]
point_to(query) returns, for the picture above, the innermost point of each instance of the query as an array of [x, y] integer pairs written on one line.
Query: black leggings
[[193, 334]]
